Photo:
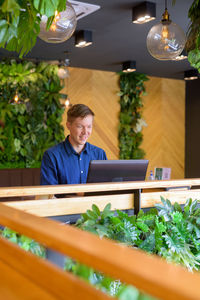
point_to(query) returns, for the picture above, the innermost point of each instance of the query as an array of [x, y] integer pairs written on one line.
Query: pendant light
[[165, 40], [62, 28]]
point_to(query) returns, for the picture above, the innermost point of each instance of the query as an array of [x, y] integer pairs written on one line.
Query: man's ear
[[68, 125]]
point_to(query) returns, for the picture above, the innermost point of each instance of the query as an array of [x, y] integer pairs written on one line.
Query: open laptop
[[117, 170]]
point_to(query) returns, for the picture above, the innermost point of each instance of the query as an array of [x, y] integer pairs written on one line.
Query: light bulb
[[63, 73], [67, 102], [16, 98], [165, 40], [62, 28]]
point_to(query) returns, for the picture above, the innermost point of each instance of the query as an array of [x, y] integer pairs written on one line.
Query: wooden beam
[[150, 199], [75, 205], [151, 274], [94, 187], [39, 279]]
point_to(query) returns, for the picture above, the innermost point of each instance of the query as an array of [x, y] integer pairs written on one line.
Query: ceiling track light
[[83, 38], [191, 74], [129, 66], [144, 12], [165, 40]]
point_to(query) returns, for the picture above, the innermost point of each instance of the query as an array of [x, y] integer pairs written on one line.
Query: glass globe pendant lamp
[[166, 40], [62, 28]]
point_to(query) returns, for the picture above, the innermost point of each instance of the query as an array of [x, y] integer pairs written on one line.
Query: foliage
[[193, 35], [20, 22], [131, 123], [119, 228], [28, 128], [24, 242], [167, 230]]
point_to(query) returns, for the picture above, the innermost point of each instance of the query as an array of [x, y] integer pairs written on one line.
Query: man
[[68, 162]]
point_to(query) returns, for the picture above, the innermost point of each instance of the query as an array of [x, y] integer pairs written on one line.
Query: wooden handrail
[[95, 187], [150, 274], [51, 282]]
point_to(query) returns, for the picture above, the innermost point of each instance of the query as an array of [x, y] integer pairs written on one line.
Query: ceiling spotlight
[[144, 12], [181, 56], [83, 38], [191, 74], [165, 40], [129, 66]]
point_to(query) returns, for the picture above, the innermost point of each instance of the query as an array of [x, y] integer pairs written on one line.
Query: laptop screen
[[117, 170]]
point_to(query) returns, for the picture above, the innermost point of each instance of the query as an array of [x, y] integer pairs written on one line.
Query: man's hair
[[78, 110]]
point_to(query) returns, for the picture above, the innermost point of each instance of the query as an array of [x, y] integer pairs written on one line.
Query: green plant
[[20, 22], [131, 122], [28, 128], [193, 35], [24, 242], [168, 230], [121, 228]]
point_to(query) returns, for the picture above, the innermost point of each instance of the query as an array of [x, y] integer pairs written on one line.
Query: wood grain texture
[[74, 205], [98, 90], [164, 137], [95, 187], [164, 113], [147, 272], [41, 279]]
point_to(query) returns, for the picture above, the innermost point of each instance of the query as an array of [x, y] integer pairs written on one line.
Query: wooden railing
[[121, 195], [24, 276]]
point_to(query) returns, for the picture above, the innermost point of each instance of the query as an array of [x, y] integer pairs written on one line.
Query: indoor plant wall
[[30, 126], [130, 129]]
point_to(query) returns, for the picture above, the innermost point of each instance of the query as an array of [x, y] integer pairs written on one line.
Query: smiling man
[[68, 162]]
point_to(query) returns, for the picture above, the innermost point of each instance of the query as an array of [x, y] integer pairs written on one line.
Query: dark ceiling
[[116, 39]]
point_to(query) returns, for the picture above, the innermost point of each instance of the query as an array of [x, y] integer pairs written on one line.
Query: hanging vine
[[131, 122]]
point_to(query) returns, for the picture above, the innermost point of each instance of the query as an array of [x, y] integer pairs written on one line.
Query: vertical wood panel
[[164, 113], [98, 90]]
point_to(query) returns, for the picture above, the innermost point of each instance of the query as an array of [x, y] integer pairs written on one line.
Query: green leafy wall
[[31, 126], [131, 122]]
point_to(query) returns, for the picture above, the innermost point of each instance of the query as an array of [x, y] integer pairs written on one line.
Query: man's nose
[[84, 130]]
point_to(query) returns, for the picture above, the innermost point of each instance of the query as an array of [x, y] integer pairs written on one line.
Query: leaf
[[91, 215], [128, 293], [46, 7], [142, 226], [10, 6], [17, 144], [107, 212], [96, 209], [148, 244], [177, 207]]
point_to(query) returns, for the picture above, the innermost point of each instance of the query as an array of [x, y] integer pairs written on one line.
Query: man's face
[[80, 129]]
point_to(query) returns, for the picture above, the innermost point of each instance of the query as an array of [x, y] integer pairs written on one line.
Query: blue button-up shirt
[[61, 164]]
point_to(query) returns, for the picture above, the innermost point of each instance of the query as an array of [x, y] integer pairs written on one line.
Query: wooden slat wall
[[98, 90], [164, 113]]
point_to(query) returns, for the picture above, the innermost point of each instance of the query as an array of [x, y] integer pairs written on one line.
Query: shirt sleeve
[[104, 155], [48, 173]]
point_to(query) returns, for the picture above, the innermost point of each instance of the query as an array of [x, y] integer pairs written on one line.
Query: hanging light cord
[[165, 4]]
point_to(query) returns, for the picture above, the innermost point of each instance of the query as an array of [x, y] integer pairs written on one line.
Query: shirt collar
[[70, 149]]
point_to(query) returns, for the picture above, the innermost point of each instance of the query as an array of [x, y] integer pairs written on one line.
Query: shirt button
[[81, 172]]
